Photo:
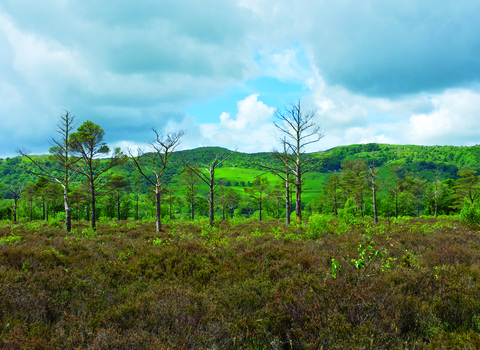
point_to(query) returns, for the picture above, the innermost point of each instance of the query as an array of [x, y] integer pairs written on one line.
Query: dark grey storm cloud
[[385, 48], [381, 47]]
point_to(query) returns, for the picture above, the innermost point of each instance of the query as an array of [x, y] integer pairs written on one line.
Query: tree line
[[84, 154], [356, 188], [80, 172]]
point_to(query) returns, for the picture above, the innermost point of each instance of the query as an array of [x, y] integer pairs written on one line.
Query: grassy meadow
[[328, 284]]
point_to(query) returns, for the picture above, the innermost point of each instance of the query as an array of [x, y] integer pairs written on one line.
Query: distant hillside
[[422, 159], [240, 168]]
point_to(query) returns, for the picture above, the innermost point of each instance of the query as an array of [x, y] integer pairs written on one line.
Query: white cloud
[[126, 67], [454, 120], [378, 48], [46, 64], [348, 118], [251, 131], [284, 65], [367, 135], [450, 117], [251, 113], [10, 97]]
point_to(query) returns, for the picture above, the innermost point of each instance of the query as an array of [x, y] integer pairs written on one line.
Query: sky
[[398, 72]]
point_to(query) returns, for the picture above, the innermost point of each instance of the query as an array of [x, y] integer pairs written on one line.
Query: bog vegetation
[[331, 283]]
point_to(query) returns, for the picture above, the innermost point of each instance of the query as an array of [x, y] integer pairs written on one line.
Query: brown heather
[[247, 285]]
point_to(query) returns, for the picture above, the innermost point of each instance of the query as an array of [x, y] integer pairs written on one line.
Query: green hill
[[242, 168]]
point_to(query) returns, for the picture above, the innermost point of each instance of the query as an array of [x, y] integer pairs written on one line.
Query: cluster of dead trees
[[83, 152]]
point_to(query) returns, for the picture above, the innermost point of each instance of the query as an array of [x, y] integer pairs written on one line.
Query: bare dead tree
[[299, 130], [14, 191], [438, 190], [371, 178], [208, 177], [283, 172], [152, 165], [62, 162]]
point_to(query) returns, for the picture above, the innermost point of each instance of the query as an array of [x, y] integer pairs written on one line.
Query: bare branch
[[163, 145], [299, 131]]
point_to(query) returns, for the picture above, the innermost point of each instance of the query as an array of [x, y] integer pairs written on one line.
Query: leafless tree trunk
[[300, 130], [60, 151], [208, 177], [15, 192], [371, 177], [155, 164]]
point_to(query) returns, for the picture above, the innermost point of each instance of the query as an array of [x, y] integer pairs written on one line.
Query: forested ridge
[[415, 158], [241, 169]]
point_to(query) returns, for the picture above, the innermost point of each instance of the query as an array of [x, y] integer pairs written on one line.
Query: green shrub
[[318, 225], [470, 214], [238, 220], [131, 225], [157, 241], [295, 223], [12, 239], [55, 223], [349, 212], [5, 223], [208, 231], [113, 224], [33, 225], [87, 233]]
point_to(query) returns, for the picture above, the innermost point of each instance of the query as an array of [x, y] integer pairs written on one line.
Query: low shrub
[[318, 226], [250, 285], [10, 239], [55, 223], [470, 214]]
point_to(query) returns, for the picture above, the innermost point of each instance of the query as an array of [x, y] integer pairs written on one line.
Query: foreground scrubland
[[404, 284]]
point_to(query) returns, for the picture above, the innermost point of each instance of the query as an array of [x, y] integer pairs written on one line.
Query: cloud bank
[[375, 71]]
